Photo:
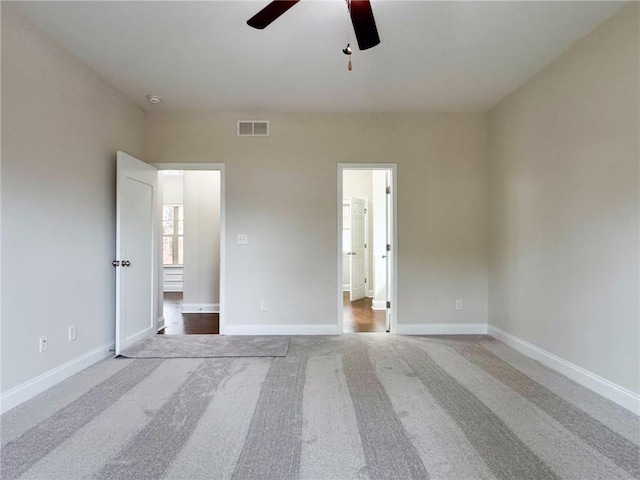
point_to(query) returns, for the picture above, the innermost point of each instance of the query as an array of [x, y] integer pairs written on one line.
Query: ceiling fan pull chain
[[347, 51]]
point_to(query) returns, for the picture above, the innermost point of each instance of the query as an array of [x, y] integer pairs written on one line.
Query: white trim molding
[[602, 386], [200, 308], [346, 287], [378, 305], [282, 330], [442, 329], [29, 389], [160, 324]]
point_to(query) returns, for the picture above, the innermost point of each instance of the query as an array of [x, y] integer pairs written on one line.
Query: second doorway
[[366, 249]]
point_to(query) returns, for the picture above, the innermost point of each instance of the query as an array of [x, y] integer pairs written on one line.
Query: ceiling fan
[[364, 25]]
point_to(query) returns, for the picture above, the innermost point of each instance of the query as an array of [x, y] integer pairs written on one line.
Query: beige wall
[[282, 191], [61, 128], [172, 189], [201, 238], [564, 171]]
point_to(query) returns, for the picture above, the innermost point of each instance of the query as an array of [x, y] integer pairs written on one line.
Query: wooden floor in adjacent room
[[178, 323], [358, 316]]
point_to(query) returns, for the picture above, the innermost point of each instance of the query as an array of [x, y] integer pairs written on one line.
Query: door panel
[[136, 190], [357, 257]]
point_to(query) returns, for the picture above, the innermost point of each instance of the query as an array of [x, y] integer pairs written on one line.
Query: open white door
[[135, 202], [357, 288], [389, 232]]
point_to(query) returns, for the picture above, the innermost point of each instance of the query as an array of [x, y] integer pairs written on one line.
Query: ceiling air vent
[[253, 128]]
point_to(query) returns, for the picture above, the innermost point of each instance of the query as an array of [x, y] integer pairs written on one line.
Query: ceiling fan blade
[[364, 25], [270, 13]]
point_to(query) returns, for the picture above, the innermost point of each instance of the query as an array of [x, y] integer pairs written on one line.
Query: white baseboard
[[17, 395], [370, 294], [602, 386], [200, 308], [280, 330], [442, 329], [346, 287], [160, 324], [379, 305]]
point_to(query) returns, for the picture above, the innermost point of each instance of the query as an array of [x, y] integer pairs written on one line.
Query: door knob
[[116, 263], [126, 263]]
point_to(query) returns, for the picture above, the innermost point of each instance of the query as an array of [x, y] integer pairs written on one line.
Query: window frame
[[175, 236]]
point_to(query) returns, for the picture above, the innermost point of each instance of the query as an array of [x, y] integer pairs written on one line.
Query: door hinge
[[388, 190], [388, 304], [365, 245], [365, 210], [365, 279], [388, 247]]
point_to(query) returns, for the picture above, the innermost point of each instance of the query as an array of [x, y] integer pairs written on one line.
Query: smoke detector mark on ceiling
[[253, 128]]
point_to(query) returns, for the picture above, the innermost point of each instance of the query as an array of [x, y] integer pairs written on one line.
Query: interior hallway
[[178, 323]]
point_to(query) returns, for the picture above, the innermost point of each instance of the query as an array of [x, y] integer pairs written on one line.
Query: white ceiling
[[434, 56]]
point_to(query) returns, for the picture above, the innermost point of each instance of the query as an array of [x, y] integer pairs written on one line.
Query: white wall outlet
[[243, 239], [44, 343], [263, 305], [459, 304], [73, 333]]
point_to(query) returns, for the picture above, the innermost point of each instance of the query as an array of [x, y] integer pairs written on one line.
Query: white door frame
[[158, 271], [392, 167]]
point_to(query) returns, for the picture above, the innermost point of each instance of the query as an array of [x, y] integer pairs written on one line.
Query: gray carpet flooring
[[358, 406], [208, 346]]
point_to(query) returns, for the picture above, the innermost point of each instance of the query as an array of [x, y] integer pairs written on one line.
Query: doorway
[[190, 251], [139, 237], [366, 240], [192, 300]]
